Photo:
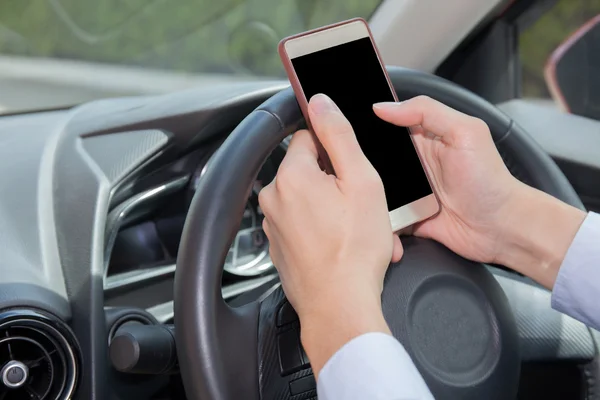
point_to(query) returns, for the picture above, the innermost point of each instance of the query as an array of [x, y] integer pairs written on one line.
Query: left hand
[[330, 236]]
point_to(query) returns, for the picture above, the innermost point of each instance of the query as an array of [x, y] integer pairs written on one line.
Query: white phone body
[[334, 35]]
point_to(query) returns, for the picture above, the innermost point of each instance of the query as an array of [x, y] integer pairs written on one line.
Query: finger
[[266, 228], [301, 155], [270, 231], [425, 229], [336, 135], [300, 168], [417, 130], [266, 199], [303, 144], [432, 115], [398, 250]]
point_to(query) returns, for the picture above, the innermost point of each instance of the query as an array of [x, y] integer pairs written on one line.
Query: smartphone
[[341, 61]]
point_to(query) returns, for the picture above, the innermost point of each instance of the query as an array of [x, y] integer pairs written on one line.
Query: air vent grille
[[38, 358]]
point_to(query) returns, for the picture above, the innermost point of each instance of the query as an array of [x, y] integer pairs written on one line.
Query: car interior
[[134, 263]]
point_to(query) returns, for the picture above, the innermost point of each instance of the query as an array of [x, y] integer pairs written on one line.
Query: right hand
[[487, 215], [330, 236]]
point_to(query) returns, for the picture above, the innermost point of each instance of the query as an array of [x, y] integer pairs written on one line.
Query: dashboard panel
[[66, 172], [143, 237]]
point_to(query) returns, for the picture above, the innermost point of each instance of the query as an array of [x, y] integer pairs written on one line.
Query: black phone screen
[[351, 75]]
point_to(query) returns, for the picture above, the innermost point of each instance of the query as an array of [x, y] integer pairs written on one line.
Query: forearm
[[352, 352], [337, 320], [537, 235]]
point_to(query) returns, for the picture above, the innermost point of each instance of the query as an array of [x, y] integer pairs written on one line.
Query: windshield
[[63, 52]]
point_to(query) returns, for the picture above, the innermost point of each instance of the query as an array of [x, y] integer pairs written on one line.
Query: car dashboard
[[92, 208], [93, 202], [143, 232]]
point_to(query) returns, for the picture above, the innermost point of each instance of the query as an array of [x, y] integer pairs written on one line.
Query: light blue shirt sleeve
[[577, 288], [373, 366]]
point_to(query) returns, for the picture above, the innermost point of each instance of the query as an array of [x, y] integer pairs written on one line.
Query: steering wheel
[[449, 313]]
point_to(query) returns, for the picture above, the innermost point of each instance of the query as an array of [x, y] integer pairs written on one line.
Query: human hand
[[330, 236], [487, 215]]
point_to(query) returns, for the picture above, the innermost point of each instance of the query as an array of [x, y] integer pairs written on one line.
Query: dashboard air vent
[[38, 357]]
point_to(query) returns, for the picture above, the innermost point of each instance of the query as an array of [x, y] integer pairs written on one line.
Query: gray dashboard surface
[[571, 140], [27, 235], [544, 334], [562, 135]]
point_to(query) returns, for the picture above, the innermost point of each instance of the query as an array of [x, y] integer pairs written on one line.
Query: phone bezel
[[334, 35]]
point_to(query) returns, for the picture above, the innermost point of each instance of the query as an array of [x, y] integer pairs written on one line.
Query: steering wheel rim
[[231, 353]]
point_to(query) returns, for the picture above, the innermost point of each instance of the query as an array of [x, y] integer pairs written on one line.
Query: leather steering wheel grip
[[218, 346]]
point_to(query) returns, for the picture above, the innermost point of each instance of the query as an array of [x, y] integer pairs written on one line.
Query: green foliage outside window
[[220, 36]]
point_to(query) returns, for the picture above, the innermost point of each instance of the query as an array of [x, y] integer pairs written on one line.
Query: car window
[[540, 37], [199, 37]]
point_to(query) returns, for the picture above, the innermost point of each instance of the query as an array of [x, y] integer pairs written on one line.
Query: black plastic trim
[[15, 295], [58, 333]]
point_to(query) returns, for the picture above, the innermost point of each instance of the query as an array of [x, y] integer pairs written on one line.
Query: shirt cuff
[[372, 366], [577, 285]]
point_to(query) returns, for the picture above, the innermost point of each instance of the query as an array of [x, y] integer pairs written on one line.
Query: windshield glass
[[63, 52]]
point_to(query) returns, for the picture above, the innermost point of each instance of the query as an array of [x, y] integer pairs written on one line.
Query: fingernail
[[387, 104], [322, 104]]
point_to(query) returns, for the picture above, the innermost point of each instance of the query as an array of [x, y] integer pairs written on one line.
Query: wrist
[[537, 234], [335, 322]]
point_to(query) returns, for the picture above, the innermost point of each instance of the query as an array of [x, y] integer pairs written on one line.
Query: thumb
[[337, 136], [431, 115], [398, 250]]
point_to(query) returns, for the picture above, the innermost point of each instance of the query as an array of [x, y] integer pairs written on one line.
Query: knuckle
[[375, 182], [265, 199], [479, 125], [287, 177], [279, 185], [371, 180], [423, 100], [266, 228], [299, 135], [337, 124], [345, 130], [344, 127], [296, 137], [262, 197]]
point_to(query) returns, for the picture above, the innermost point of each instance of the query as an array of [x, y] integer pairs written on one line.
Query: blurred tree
[[224, 36]]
